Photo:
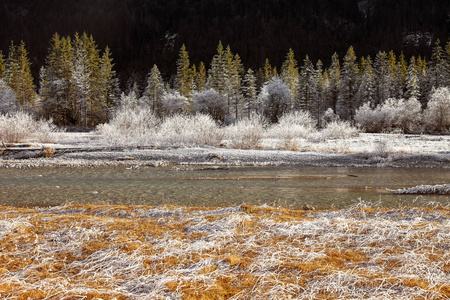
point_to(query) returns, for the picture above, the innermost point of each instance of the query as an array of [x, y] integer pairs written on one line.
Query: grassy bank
[[244, 252]]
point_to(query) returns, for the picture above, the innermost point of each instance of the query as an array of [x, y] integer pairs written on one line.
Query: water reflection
[[277, 186]]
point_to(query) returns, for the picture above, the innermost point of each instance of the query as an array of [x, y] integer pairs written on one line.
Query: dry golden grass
[[246, 252]]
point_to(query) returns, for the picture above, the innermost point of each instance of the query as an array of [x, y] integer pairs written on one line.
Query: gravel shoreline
[[230, 157]]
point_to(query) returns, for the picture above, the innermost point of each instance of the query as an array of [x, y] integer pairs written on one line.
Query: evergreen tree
[[268, 73], [425, 84], [249, 91], [2, 65], [18, 75], [216, 74], [399, 79], [201, 77], [383, 80], [349, 85], [320, 83], [447, 58], [412, 80], [306, 88], [367, 88], [109, 87], [439, 69], [290, 74], [334, 78], [183, 79]]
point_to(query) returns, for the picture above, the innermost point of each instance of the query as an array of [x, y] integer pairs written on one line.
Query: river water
[[292, 187]]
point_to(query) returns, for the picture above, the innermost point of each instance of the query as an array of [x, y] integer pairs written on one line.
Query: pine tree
[[201, 77], [183, 78], [367, 88], [290, 74], [306, 87], [334, 77], [268, 74], [447, 59], [216, 74], [412, 80], [18, 75], [439, 69], [249, 91], [349, 85], [383, 80], [320, 83], [2, 65], [154, 91], [109, 90]]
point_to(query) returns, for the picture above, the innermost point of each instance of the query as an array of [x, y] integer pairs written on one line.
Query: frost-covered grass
[[23, 127], [245, 252], [441, 189]]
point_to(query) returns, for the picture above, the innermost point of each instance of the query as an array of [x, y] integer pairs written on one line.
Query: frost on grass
[[441, 189], [245, 252]]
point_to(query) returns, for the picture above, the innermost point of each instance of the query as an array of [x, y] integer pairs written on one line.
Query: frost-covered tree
[[216, 73], [334, 78], [276, 99], [8, 99], [383, 80], [290, 73], [249, 91], [306, 88], [439, 67], [367, 88], [268, 72], [212, 103], [173, 103], [412, 80], [154, 91], [18, 75], [77, 85], [399, 78], [349, 85], [437, 113]]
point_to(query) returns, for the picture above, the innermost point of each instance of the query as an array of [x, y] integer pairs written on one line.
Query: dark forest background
[[141, 33]]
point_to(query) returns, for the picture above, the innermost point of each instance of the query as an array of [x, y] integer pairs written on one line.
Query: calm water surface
[[276, 186]]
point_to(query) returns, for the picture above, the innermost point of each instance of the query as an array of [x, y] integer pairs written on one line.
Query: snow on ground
[[362, 150]]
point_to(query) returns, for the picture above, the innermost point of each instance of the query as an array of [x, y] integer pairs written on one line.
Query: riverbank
[[365, 150], [241, 252]]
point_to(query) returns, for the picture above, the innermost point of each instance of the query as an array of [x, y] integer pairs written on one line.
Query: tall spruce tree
[[383, 80], [439, 69], [183, 79], [290, 73], [201, 77], [18, 75], [367, 88], [306, 88], [349, 85], [412, 80], [154, 91], [216, 73], [2, 65], [249, 91], [334, 77]]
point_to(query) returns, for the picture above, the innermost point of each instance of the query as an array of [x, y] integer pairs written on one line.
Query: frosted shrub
[[393, 114], [173, 103], [130, 126], [339, 129], [212, 103], [437, 114], [22, 127], [193, 130], [8, 99], [291, 127], [246, 133], [276, 99]]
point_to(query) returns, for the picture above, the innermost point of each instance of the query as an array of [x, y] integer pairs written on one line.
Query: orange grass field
[[244, 252]]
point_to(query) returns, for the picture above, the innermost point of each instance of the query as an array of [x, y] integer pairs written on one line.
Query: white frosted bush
[[405, 115], [437, 114], [187, 130], [246, 133], [291, 127], [22, 127], [339, 129], [130, 126]]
